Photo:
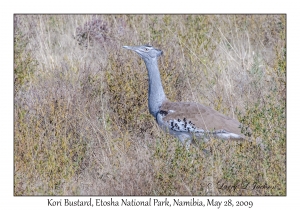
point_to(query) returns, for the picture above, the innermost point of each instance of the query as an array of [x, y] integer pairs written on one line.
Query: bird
[[186, 121]]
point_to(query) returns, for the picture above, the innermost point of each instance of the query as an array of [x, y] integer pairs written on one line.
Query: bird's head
[[146, 52]]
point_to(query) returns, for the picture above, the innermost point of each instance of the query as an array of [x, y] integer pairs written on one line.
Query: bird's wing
[[197, 116]]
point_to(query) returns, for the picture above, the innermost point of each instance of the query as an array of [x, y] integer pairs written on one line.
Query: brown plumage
[[201, 116]]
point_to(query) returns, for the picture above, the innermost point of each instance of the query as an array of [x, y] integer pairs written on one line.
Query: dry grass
[[82, 125]]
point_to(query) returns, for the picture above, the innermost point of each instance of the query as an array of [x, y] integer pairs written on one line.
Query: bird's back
[[197, 118]]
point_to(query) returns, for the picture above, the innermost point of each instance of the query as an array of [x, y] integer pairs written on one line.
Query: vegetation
[[81, 121]]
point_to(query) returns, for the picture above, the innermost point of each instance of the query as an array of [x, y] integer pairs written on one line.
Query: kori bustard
[[185, 120]]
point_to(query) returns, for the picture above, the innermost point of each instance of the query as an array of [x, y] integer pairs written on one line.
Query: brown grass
[[81, 121]]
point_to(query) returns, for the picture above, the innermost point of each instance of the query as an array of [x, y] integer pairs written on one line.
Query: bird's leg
[[185, 140]]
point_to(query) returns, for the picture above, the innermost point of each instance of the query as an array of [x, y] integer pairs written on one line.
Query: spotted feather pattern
[[183, 126], [180, 125], [186, 126]]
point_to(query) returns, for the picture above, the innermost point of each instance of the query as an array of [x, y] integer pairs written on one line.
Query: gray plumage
[[184, 120]]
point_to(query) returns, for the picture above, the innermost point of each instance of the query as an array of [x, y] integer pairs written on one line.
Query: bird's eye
[[146, 49]]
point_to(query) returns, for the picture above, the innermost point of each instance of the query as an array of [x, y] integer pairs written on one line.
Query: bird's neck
[[156, 94]]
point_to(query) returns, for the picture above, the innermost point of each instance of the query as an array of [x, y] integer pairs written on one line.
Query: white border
[[151, 6]]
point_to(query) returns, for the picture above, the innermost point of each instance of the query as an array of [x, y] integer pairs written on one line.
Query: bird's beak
[[128, 47], [133, 48]]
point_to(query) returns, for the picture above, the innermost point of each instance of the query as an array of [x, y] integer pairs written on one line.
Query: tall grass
[[81, 121]]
